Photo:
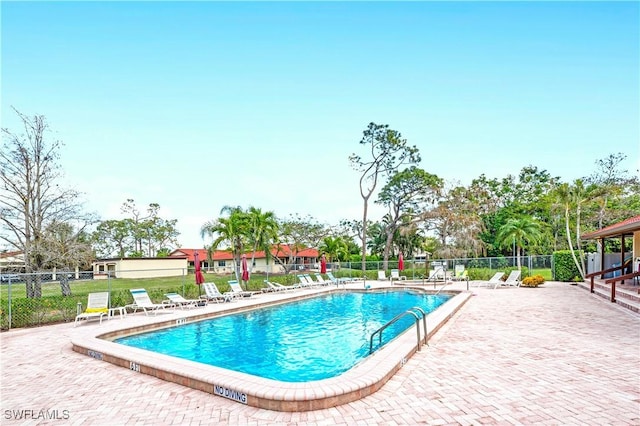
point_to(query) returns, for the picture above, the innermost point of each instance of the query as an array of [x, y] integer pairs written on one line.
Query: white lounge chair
[[513, 279], [310, 281], [180, 301], [237, 290], [494, 281], [275, 287], [336, 281], [437, 274], [395, 275], [382, 276], [213, 294], [320, 280], [141, 300], [97, 307], [303, 282]]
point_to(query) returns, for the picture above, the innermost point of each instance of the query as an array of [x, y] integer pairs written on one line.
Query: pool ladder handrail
[[412, 311], [446, 283]]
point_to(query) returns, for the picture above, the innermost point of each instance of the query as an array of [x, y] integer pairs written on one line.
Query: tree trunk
[[29, 286], [387, 249], [37, 286], [573, 254], [64, 284], [364, 239]]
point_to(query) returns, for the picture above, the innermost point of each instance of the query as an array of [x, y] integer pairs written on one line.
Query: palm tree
[[575, 196], [377, 239], [263, 231], [335, 248], [230, 230], [519, 231]]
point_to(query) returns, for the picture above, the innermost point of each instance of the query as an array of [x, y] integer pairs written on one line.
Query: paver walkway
[[554, 355]]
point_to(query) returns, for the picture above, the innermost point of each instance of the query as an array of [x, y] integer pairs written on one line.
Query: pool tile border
[[362, 380]]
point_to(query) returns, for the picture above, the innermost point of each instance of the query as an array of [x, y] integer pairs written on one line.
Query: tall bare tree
[[31, 198], [66, 249], [387, 152]]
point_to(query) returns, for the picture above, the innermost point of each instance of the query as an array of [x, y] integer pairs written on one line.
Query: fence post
[[9, 307], [109, 287]]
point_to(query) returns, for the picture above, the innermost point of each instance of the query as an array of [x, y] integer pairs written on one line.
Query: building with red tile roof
[[283, 257]]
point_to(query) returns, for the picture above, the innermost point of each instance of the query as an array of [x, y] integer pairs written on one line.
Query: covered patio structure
[[629, 266]]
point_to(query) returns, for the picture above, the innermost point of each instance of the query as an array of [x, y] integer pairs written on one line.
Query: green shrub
[[480, 274], [564, 267]]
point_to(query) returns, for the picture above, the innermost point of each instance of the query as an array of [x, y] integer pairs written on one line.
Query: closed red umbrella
[[199, 276], [400, 262], [323, 265], [245, 269]]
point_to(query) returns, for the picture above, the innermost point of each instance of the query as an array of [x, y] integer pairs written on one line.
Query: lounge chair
[[336, 281], [274, 287], [97, 307], [395, 275], [311, 281], [382, 276], [141, 300], [437, 274], [303, 282], [213, 294], [460, 274], [513, 279], [237, 290], [494, 281], [180, 301], [320, 280]]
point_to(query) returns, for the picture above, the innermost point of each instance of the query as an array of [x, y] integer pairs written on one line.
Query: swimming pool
[[311, 339], [363, 379]]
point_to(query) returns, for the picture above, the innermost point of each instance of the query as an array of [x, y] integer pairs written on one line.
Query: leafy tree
[[160, 235], [351, 231], [299, 233], [520, 231], [456, 223], [150, 232], [387, 152], [136, 236], [113, 236], [31, 198], [612, 182], [407, 193], [335, 248], [408, 239]]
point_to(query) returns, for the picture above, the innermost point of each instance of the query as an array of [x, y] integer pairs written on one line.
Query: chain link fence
[[28, 300], [34, 299]]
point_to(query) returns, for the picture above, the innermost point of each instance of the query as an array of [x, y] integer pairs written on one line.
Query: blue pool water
[[301, 341]]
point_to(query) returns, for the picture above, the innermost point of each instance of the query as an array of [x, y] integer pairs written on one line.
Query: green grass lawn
[[52, 307]]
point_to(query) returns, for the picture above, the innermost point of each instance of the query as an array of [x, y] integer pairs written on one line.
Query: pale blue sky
[[199, 105]]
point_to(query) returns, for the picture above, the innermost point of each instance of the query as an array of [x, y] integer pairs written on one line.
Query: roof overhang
[[626, 227]]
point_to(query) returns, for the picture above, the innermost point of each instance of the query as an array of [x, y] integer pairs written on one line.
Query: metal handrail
[[424, 323], [395, 319], [446, 283]]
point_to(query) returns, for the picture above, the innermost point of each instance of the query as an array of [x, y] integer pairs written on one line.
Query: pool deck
[[552, 355]]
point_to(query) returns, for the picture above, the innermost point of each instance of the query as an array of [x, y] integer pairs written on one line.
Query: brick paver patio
[[554, 355]]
